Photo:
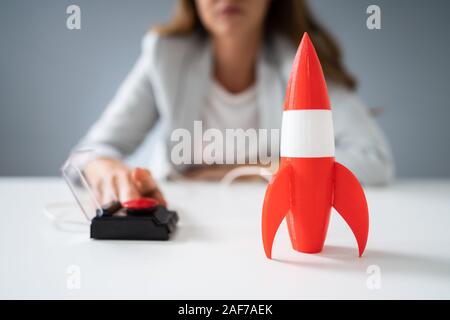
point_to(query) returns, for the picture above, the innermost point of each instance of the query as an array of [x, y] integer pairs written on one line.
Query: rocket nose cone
[[306, 88]]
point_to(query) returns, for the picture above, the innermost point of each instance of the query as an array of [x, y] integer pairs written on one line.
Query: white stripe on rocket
[[307, 134]]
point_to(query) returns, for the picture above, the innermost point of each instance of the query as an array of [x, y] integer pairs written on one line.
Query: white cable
[[59, 212], [246, 171]]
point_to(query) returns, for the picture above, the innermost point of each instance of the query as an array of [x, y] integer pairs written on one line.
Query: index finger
[[147, 185]]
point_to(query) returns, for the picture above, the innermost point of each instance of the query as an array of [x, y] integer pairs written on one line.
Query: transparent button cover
[[80, 187]]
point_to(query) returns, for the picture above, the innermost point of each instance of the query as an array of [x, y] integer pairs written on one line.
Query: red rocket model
[[309, 181]]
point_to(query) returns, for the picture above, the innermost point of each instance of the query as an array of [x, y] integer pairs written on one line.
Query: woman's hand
[[113, 180]]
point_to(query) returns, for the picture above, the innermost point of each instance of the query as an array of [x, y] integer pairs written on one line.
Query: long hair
[[290, 18]]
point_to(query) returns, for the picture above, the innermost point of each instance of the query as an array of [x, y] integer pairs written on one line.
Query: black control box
[[118, 223]]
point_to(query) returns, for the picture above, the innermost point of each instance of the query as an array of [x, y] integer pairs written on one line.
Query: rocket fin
[[350, 202], [276, 206]]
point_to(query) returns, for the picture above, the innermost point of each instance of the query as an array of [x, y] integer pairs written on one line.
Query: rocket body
[[307, 145], [309, 181]]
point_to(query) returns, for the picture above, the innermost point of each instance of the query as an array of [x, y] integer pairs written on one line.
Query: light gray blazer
[[170, 81]]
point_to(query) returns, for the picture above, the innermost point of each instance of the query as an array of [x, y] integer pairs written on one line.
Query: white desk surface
[[217, 251]]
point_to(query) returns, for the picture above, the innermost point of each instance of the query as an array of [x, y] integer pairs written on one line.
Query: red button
[[140, 204]]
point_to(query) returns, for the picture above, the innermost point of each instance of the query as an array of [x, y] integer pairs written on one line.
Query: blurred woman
[[225, 63]]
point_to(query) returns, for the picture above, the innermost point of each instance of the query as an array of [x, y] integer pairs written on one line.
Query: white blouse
[[226, 110]]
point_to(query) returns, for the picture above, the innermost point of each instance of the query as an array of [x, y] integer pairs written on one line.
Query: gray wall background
[[55, 82]]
